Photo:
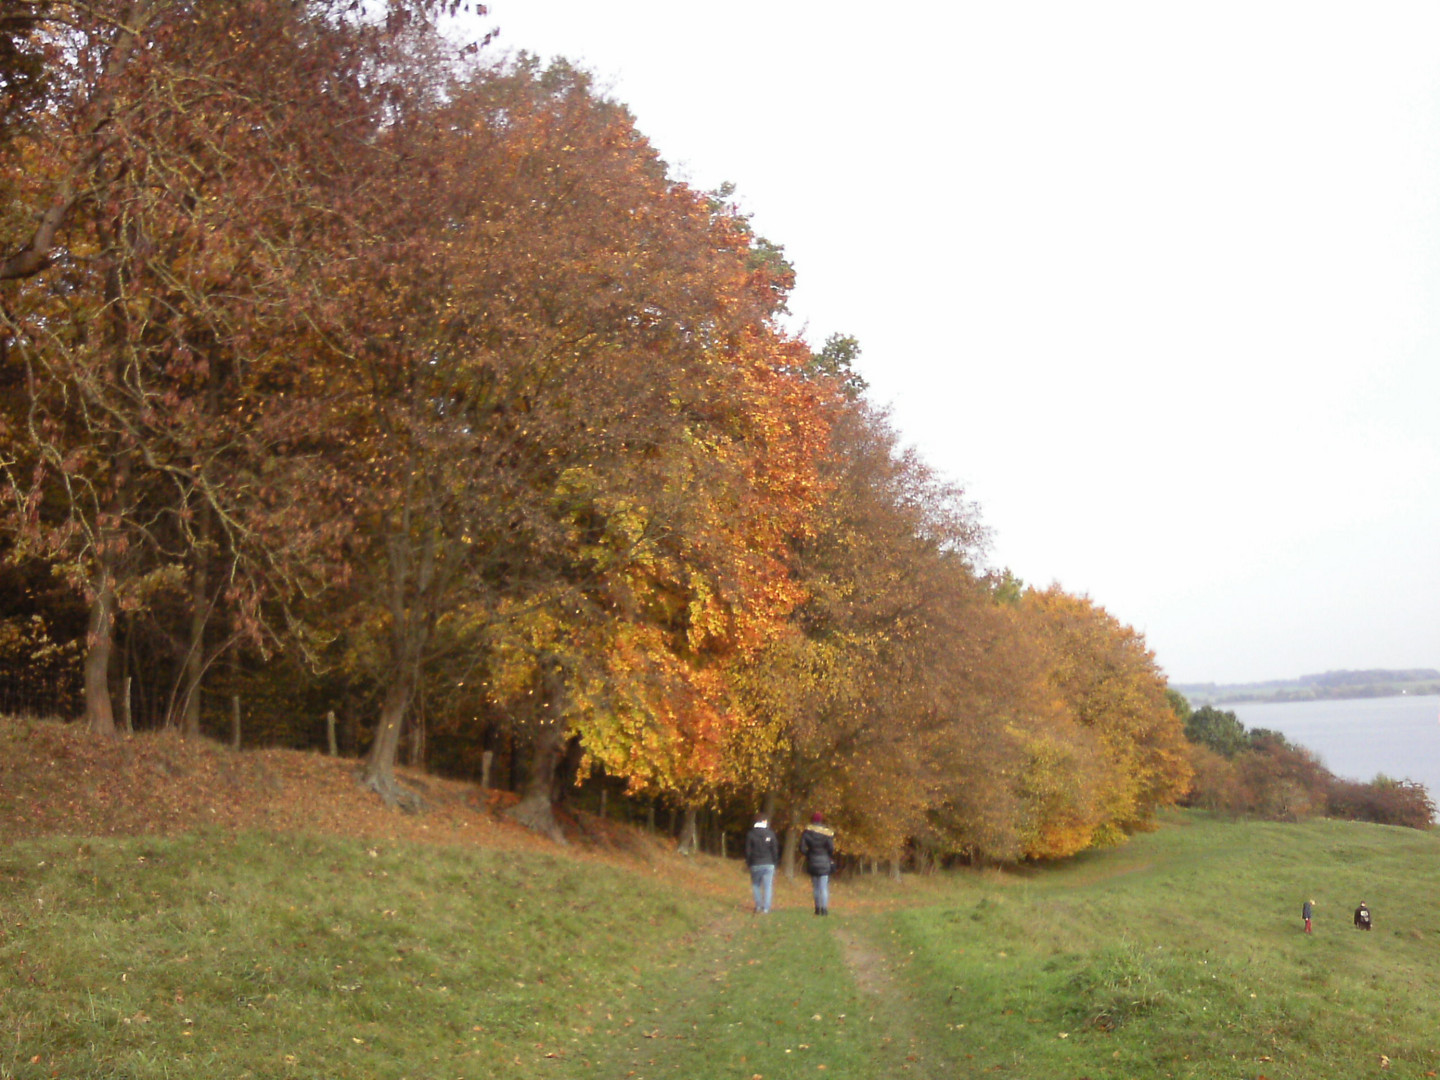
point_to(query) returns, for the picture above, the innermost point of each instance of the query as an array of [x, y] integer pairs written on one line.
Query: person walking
[[1362, 917], [1306, 909], [762, 852], [817, 845]]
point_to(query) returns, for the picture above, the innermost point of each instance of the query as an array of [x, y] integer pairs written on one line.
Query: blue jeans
[[762, 884], [820, 886]]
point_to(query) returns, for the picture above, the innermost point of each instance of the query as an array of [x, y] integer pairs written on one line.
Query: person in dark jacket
[[1306, 909], [1362, 917], [817, 845], [762, 852]]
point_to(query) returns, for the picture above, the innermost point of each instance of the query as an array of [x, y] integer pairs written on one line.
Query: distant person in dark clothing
[[762, 852], [817, 845], [1362, 916], [1305, 911]]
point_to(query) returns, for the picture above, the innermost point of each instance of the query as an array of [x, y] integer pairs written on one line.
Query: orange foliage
[[1107, 680]]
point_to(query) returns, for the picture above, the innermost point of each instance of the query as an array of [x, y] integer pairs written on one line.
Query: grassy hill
[[299, 932]]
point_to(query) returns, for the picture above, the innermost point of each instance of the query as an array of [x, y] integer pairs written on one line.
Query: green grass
[[1182, 955], [1178, 955], [263, 956], [770, 997]]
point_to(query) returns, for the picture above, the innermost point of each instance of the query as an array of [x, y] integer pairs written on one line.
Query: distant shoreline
[[1329, 686]]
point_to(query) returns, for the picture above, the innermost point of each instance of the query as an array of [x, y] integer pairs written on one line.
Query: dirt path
[[779, 998], [879, 978]]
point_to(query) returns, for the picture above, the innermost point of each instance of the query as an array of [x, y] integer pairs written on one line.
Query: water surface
[[1357, 738]]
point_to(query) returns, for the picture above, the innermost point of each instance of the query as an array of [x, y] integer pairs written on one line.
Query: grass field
[[250, 952]]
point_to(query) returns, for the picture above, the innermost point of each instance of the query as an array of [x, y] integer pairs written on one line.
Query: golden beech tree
[[998, 704], [1108, 681], [856, 699], [572, 440]]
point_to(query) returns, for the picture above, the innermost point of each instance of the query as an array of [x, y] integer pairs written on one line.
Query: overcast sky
[[1157, 283]]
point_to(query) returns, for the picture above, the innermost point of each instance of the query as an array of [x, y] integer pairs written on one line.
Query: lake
[[1359, 737]]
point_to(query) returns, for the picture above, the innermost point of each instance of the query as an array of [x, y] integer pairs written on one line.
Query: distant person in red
[[817, 845], [1362, 917], [1306, 909]]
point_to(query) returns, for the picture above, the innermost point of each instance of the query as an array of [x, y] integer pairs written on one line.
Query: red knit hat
[[816, 818]]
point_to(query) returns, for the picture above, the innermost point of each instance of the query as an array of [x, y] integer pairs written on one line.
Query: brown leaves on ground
[[58, 779]]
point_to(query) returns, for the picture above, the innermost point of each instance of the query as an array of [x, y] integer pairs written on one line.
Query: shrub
[[1382, 800]]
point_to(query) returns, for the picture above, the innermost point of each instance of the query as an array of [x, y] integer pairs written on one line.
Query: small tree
[[1220, 730]]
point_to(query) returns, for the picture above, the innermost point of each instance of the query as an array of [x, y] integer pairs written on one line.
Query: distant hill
[[1376, 682]]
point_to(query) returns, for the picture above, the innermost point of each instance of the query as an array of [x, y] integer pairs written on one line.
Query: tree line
[[347, 369], [1257, 772]]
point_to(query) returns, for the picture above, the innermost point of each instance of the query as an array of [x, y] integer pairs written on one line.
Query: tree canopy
[[350, 370]]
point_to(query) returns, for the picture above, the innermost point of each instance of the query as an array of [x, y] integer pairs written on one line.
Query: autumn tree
[[559, 362], [161, 311], [24, 70], [855, 699], [1108, 680]]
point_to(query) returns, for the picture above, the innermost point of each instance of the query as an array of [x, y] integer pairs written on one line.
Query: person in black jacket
[[817, 845], [1362, 917], [762, 852]]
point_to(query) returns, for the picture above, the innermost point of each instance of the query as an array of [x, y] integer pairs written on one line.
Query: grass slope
[[1182, 955], [248, 951], [212, 955]]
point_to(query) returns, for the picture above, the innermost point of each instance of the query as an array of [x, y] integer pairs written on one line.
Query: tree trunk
[[234, 661], [650, 817], [895, 857], [516, 772], [100, 641], [330, 743], [487, 761], [792, 847], [378, 772], [690, 833], [768, 813], [415, 751], [536, 808], [195, 655], [567, 770], [127, 720]]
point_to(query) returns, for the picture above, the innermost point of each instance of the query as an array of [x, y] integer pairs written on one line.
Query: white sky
[[1156, 282]]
